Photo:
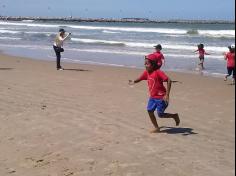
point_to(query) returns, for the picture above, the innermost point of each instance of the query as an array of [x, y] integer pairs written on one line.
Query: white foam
[[95, 41], [106, 29], [110, 32], [150, 45], [9, 31], [30, 24], [129, 29], [29, 21], [9, 38], [217, 33]]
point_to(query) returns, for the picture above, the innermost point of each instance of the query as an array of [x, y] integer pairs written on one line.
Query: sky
[[152, 9]]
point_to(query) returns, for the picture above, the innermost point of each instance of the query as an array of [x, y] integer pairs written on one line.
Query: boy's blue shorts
[[157, 104]]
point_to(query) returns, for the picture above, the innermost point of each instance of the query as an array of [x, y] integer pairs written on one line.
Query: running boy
[[202, 54], [159, 96], [230, 57]]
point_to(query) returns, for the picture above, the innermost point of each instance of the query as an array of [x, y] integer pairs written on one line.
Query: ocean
[[121, 44]]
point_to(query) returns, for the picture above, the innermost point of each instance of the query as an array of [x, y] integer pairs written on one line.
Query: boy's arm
[[66, 36], [163, 59], [142, 77], [225, 55], [132, 82], [167, 97]]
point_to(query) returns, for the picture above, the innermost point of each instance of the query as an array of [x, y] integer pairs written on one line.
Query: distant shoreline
[[122, 20]]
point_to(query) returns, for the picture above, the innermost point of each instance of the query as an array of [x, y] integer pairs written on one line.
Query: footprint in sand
[[67, 172], [30, 162]]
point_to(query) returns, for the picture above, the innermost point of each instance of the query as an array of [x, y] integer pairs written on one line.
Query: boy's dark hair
[[153, 63], [158, 47], [201, 46], [62, 30], [231, 48]]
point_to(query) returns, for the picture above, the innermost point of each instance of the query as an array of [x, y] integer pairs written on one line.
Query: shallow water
[[121, 44]]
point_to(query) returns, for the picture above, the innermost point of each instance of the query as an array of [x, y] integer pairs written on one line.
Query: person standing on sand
[[58, 46], [230, 57], [159, 96], [202, 54]]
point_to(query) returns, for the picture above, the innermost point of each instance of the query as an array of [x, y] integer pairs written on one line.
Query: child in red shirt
[[159, 95], [158, 56], [230, 57], [202, 54]]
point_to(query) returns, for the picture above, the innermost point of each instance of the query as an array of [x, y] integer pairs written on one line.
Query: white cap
[[232, 46]]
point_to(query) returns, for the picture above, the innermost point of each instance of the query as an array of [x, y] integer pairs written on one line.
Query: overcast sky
[[153, 9]]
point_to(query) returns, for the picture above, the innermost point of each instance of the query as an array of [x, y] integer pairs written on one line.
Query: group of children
[[229, 57], [159, 94]]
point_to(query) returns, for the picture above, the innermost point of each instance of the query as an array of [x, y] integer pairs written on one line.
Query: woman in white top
[[58, 46]]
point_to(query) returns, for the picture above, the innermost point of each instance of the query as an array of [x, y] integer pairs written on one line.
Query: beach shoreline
[[86, 120], [66, 60]]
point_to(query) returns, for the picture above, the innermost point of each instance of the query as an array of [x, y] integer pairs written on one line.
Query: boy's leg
[[154, 122], [58, 55], [229, 70], [233, 81], [151, 109], [58, 60], [201, 63], [173, 116], [202, 67], [161, 107]]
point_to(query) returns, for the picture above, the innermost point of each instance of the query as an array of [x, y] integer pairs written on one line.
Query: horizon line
[[112, 19]]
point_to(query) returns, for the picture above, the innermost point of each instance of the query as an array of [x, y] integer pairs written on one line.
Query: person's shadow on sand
[[182, 131], [72, 69], [6, 69]]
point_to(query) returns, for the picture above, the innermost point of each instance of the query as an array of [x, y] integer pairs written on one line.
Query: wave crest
[[98, 42]]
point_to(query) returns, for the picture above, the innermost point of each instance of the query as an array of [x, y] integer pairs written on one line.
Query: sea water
[[121, 44]]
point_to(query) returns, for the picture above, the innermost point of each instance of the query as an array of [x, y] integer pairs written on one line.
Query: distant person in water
[[157, 56], [230, 58], [58, 46], [201, 51], [159, 95]]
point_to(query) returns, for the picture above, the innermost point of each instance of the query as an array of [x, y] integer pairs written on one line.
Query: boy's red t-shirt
[[155, 83], [201, 52], [230, 59]]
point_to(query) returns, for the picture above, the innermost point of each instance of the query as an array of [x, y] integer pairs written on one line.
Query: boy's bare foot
[[177, 120], [156, 130], [225, 78]]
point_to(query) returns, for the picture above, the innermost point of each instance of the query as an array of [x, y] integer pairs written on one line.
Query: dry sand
[[87, 121]]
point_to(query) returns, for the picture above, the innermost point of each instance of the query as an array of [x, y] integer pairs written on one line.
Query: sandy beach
[[87, 121]]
